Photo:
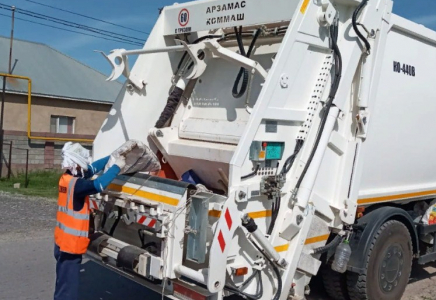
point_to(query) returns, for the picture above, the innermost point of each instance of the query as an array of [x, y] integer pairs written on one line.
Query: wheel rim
[[391, 268]]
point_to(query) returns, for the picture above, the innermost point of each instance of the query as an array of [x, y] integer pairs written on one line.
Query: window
[[61, 124]]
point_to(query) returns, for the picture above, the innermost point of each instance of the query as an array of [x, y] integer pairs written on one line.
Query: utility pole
[[4, 92]]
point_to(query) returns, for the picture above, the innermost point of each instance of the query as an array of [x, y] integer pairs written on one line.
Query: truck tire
[[388, 265], [335, 284]]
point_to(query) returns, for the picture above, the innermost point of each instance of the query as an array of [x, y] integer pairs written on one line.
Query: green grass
[[41, 183]]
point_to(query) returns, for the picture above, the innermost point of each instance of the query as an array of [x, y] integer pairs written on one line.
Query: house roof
[[54, 74]]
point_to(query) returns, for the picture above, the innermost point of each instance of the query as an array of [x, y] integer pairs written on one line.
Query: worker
[[71, 232]]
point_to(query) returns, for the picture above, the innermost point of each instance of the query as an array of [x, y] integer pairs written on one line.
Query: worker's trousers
[[67, 275]]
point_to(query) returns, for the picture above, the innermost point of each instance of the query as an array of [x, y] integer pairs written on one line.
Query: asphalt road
[[27, 273], [27, 265]]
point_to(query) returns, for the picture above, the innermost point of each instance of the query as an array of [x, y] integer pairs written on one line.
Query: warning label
[[183, 21]]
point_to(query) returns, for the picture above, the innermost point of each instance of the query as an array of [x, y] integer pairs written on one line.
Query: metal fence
[[9, 161]]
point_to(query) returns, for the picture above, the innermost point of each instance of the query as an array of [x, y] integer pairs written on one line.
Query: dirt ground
[[27, 264], [422, 285]]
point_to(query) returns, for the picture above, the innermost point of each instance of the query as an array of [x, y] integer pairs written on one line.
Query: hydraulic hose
[[279, 281], [275, 212], [195, 42], [334, 243], [332, 95], [238, 35], [238, 290], [243, 73], [172, 104], [273, 221], [252, 173], [290, 161], [356, 29], [251, 227], [275, 269]]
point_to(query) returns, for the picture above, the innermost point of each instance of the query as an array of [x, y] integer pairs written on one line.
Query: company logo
[[229, 17], [184, 17]]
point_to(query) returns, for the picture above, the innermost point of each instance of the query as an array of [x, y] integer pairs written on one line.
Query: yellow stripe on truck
[[282, 248], [313, 240], [317, 239], [395, 197], [253, 215], [304, 6], [260, 214], [143, 194]]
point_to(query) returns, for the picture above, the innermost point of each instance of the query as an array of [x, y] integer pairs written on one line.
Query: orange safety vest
[[72, 227]]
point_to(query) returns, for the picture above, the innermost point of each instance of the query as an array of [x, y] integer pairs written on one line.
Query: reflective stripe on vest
[[71, 231], [70, 191], [73, 213]]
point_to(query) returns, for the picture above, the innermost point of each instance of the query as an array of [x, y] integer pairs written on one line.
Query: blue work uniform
[[68, 264]]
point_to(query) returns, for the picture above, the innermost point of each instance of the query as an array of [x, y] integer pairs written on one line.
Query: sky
[[139, 15]]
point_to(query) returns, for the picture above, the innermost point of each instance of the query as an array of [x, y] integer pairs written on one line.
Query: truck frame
[[323, 139]]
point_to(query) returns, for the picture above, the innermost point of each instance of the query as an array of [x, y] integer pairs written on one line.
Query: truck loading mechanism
[[300, 126]]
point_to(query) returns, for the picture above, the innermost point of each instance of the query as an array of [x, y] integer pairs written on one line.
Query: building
[[69, 100]]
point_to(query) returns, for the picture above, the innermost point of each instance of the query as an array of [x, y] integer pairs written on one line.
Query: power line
[[53, 19], [111, 37], [73, 24], [85, 16], [82, 28], [74, 31]]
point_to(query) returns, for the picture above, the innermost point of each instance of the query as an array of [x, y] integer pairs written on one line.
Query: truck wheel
[[388, 265], [335, 284]]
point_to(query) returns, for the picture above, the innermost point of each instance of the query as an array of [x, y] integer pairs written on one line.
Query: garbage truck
[[295, 139]]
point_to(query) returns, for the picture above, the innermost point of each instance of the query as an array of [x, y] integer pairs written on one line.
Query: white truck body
[[374, 149]]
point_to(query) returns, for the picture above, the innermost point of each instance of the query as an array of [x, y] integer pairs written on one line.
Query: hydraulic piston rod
[[252, 228]]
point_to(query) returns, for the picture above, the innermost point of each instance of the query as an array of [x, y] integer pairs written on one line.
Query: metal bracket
[[119, 61], [362, 123], [129, 217], [236, 58], [326, 13], [194, 52]]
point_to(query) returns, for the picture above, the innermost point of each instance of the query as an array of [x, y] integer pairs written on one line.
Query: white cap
[[75, 155]]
